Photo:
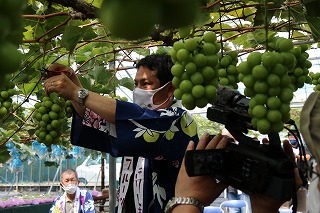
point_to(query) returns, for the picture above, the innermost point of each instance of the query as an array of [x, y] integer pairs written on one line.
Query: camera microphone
[[231, 98], [230, 108], [228, 97]]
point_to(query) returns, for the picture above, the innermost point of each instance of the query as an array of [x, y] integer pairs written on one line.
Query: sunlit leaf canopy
[[70, 32]]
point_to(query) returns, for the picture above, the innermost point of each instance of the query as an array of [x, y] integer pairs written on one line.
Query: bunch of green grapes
[[6, 98], [315, 80], [227, 70], [11, 29], [295, 58], [267, 83], [50, 116], [300, 74], [194, 70]]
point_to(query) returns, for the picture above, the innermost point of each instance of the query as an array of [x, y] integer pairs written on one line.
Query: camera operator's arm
[[203, 188], [206, 190], [261, 203]]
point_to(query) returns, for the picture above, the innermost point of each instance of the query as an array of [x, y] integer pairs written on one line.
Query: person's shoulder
[[84, 192], [177, 107], [57, 198], [177, 103], [88, 194]]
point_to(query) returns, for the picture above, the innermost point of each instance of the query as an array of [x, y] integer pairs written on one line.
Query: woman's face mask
[[70, 189], [144, 98]]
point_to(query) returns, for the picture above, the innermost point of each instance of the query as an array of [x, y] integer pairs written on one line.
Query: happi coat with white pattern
[[152, 144]]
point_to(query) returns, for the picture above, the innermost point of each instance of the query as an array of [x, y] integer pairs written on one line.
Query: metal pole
[[40, 176], [112, 170], [48, 173], [55, 176], [112, 184], [14, 180], [60, 189], [102, 172], [31, 180], [102, 179], [17, 181]]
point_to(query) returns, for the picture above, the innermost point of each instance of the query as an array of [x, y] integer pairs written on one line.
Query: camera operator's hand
[[262, 203], [203, 188]]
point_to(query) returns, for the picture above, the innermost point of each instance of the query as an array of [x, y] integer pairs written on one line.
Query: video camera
[[249, 166]]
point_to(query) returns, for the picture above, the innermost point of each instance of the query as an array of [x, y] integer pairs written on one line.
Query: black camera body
[[247, 165], [249, 169]]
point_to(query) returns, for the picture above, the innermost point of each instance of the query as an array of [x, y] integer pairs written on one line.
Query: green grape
[[254, 59], [200, 60], [210, 37], [191, 44], [285, 45]]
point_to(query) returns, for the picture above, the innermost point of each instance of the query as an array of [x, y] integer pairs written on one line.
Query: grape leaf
[[314, 24], [85, 81], [50, 27], [100, 75], [71, 37], [296, 13], [127, 83], [28, 88], [51, 163], [4, 154], [260, 14], [312, 7]]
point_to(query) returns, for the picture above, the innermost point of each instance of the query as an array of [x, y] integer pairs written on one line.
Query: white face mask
[[70, 189], [144, 98]]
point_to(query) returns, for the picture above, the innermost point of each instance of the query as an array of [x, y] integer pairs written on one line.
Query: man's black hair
[[161, 63]]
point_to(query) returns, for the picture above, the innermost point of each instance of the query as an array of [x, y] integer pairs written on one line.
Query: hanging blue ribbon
[[16, 165]]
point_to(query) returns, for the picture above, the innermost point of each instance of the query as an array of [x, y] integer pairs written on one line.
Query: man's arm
[[68, 88]]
